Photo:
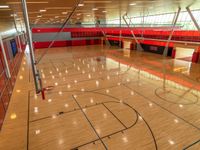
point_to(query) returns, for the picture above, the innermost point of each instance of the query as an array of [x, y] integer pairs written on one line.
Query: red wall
[[7, 85]]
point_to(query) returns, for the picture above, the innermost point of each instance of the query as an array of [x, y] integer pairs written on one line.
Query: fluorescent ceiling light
[[39, 16], [12, 15], [97, 2], [64, 13], [58, 8], [132, 4], [80, 5], [34, 2], [95, 9], [104, 11], [4, 6], [43, 10]]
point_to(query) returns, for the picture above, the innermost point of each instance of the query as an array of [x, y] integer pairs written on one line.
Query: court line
[[162, 107], [114, 115], [28, 117], [90, 123], [189, 146], [192, 103]]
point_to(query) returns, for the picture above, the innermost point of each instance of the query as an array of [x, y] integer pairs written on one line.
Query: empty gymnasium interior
[[99, 75]]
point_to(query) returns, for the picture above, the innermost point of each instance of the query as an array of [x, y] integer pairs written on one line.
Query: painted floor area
[[103, 98]]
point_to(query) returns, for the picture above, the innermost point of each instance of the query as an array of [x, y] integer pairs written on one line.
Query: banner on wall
[[13, 47]]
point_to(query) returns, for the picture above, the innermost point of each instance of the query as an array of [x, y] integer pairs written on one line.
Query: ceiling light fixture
[[43, 10], [64, 13], [80, 5], [4, 6], [95, 9], [132, 4], [34, 2]]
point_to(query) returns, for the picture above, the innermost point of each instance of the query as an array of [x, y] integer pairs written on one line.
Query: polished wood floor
[[103, 98]]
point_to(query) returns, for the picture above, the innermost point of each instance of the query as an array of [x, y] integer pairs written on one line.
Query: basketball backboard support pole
[[193, 18]]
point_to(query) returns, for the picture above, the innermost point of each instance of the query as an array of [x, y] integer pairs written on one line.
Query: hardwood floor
[[105, 99]]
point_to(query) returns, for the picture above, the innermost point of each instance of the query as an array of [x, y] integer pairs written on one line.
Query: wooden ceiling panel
[[101, 9]]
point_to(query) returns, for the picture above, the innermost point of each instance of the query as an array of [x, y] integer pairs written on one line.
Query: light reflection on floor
[[102, 100]]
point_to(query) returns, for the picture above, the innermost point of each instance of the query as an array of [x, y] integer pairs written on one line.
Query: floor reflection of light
[[93, 69], [75, 81], [150, 104], [91, 100], [74, 122], [171, 142], [66, 71], [127, 80], [82, 89], [66, 105], [60, 74], [89, 76], [98, 131], [83, 72], [105, 115], [37, 132], [50, 72], [53, 77], [140, 118], [13, 116], [54, 116], [68, 86], [107, 91], [125, 139], [75, 96], [176, 121], [108, 77], [57, 69], [84, 109], [56, 83], [20, 77], [61, 141], [60, 93], [23, 69], [36, 109], [43, 75], [49, 100], [97, 83], [132, 93], [119, 83], [18, 91], [180, 105]]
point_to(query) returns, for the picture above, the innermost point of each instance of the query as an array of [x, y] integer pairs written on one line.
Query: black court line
[[114, 116], [189, 103], [147, 98], [122, 131], [28, 117], [64, 112], [90, 123], [189, 146]]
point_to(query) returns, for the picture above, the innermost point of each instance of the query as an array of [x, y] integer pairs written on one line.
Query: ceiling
[[56, 11]]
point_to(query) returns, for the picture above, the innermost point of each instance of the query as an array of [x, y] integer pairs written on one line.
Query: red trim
[[195, 57]]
